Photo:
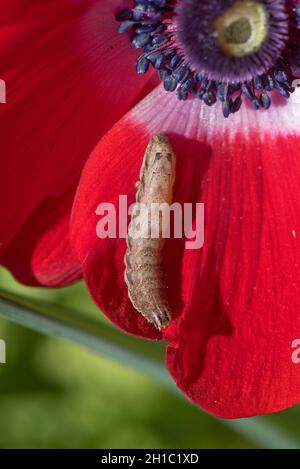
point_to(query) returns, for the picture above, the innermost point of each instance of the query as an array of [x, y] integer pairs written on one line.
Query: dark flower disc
[[218, 49]]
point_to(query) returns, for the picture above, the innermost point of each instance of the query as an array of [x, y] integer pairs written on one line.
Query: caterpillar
[[143, 259]]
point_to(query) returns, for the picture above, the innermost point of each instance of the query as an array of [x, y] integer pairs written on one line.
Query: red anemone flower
[[74, 130]]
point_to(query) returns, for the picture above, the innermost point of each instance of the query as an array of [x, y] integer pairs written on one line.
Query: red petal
[[236, 302], [62, 61], [40, 253]]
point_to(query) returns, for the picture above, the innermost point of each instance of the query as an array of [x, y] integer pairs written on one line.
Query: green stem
[[56, 320]]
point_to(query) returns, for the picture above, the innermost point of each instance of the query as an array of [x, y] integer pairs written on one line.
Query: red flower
[[71, 83]]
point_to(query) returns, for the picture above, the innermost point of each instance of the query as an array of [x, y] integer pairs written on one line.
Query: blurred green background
[[55, 393]]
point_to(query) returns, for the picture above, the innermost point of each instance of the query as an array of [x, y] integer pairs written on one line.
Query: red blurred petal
[[62, 61], [40, 253], [236, 302], [69, 77]]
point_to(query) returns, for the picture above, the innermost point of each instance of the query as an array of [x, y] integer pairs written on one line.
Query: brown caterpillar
[[143, 260]]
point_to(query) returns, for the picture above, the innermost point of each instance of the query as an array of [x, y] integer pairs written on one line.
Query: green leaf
[[57, 320]]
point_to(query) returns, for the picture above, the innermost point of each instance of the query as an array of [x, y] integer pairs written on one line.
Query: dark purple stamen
[[169, 32]]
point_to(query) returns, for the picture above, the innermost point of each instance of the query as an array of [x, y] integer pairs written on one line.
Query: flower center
[[232, 40], [242, 29], [218, 50]]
